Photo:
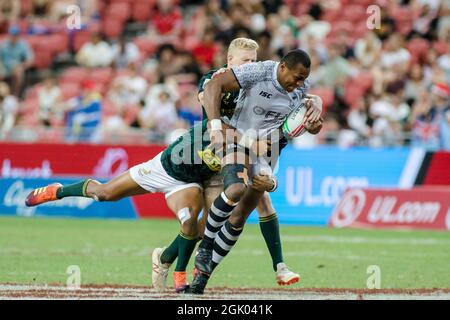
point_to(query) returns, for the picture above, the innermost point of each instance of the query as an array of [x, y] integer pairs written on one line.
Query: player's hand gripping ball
[[294, 125]]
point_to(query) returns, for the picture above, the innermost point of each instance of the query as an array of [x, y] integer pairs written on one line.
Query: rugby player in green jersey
[[178, 172]]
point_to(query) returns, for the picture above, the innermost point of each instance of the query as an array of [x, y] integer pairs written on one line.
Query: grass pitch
[[39, 251]]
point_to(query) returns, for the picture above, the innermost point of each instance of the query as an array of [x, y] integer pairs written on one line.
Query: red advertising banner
[[47, 160], [438, 172], [419, 208], [81, 160]]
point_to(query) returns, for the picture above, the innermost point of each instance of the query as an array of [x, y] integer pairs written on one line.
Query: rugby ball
[[294, 126]]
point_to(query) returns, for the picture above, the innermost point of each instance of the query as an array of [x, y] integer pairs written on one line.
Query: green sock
[[271, 233], [186, 245], [73, 190], [171, 252]]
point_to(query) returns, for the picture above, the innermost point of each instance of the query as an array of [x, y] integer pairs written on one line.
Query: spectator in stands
[[368, 49], [9, 108], [425, 24], [394, 56], [336, 71], [166, 23], [415, 81], [125, 53], [165, 59], [275, 31], [50, 101], [84, 114], [210, 15], [390, 114], [318, 29], [159, 115], [289, 42], [424, 123], [96, 53], [240, 21], [9, 13], [16, 57], [265, 52], [345, 46], [316, 47], [358, 119], [189, 67], [205, 50], [286, 18], [128, 90]]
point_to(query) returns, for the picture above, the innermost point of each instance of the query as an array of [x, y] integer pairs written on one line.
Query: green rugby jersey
[[228, 103], [187, 159]]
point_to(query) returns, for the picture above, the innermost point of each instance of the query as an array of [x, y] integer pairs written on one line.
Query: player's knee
[[235, 181], [189, 227], [237, 221], [188, 220], [235, 191]]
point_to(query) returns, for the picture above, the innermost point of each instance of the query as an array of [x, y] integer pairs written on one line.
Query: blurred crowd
[[129, 71]]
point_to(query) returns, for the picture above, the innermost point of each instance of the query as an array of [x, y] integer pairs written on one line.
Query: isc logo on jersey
[[265, 94], [294, 125]]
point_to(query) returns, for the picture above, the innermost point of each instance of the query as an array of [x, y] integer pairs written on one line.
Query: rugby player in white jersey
[[240, 51], [269, 91]]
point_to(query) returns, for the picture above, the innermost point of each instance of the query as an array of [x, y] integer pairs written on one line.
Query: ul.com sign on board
[[419, 208]]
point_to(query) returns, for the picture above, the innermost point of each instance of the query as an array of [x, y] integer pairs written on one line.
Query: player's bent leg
[[186, 204]]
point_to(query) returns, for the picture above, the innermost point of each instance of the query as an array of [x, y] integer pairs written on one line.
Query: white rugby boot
[[285, 276], [160, 270]]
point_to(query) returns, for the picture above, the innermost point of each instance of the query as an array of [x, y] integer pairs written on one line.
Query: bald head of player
[[293, 69]]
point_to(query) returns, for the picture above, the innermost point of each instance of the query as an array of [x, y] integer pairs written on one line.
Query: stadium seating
[[327, 95], [74, 75]]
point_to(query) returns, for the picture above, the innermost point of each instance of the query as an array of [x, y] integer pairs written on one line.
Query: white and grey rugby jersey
[[263, 104]]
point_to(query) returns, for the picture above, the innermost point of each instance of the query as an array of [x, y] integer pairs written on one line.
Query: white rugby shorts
[[152, 177]]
